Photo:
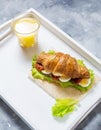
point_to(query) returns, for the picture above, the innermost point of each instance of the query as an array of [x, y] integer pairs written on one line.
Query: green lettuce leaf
[[39, 75], [63, 107], [80, 62], [51, 52]]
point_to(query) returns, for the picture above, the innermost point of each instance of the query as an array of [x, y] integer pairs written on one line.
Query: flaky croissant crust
[[64, 65]]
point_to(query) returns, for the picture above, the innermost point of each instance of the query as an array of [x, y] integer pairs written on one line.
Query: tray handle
[[5, 34]]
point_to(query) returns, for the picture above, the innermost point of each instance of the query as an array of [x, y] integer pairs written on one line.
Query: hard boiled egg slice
[[85, 82], [57, 74], [45, 72], [62, 79]]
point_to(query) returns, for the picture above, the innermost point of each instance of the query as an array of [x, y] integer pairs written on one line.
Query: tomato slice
[[39, 67], [55, 77], [76, 80]]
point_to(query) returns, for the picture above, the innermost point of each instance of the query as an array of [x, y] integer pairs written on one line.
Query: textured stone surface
[[81, 19], [9, 120]]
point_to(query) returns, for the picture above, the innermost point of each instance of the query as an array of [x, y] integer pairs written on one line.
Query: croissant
[[60, 64]]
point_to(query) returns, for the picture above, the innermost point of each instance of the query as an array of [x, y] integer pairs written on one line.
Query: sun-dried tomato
[[39, 67], [55, 77], [77, 80]]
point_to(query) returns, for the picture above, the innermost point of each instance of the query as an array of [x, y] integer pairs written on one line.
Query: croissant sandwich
[[62, 69]]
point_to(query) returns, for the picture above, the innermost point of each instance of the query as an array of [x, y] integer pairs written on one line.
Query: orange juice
[[26, 30]]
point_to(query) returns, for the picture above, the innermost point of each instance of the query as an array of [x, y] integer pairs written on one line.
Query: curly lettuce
[[63, 107]]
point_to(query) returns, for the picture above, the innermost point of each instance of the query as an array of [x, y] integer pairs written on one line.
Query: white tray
[[28, 100]]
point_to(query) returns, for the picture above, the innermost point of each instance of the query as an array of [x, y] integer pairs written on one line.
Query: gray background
[[81, 19]]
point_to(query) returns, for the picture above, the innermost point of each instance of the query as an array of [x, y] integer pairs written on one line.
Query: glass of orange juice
[[26, 29]]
